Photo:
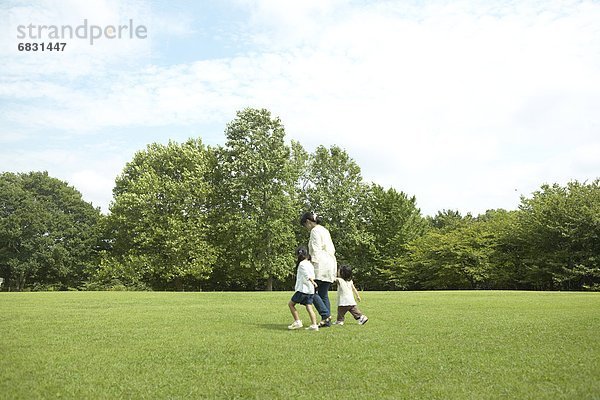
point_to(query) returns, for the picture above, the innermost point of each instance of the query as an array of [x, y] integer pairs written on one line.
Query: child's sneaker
[[295, 325], [313, 328], [363, 320], [339, 323]]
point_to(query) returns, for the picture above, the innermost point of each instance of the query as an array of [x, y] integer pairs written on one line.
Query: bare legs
[[309, 308], [292, 306]]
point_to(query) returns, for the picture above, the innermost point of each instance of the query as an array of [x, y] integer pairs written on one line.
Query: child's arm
[[313, 282], [355, 292]]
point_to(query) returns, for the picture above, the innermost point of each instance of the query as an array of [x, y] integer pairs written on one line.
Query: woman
[[322, 254]]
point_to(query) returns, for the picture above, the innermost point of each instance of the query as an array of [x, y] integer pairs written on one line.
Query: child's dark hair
[[310, 216], [301, 255], [346, 272]]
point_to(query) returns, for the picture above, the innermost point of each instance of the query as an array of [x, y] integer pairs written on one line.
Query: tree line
[[186, 216]]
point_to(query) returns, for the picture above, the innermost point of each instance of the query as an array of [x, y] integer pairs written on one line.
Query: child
[[305, 290], [346, 292]]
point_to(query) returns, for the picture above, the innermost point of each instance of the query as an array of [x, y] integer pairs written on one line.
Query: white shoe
[[295, 325], [313, 328], [363, 319], [338, 323]]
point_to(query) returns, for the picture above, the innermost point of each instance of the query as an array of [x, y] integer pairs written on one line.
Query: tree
[[49, 235], [506, 265], [159, 217], [459, 258], [551, 242], [559, 233], [448, 219], [392, 221], [334, 189], [254, 202]]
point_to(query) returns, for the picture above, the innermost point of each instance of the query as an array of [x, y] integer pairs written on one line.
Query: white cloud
[[90, 169], [95, 184], [284, 24], [12, 137]]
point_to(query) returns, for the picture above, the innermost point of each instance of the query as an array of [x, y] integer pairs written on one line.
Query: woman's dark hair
[[310, 216], [346, 272], [301, 255]]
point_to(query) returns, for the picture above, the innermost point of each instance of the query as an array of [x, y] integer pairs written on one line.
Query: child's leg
[[355, 312], [311, 314], [342, 310], [292, 306]]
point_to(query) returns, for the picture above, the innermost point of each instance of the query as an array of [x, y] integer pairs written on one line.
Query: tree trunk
[[20, 282], [269, 284], [178, 284]]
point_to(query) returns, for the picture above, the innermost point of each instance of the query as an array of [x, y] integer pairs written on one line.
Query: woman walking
[[322, 254]]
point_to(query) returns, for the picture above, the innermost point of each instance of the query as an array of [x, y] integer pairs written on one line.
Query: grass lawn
[[430, 345]]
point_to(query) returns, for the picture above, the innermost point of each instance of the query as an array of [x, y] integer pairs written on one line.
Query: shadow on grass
[[273, 327]]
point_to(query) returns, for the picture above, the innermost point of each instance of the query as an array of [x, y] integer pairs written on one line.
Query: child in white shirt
[[305, 290], [346, 292]]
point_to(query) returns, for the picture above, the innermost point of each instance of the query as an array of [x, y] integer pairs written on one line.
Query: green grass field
[[430, 345]]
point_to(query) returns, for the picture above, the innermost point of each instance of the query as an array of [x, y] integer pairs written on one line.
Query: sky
[[466, 105]]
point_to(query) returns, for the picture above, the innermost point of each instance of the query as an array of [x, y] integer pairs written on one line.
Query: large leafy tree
[[558, 233], [49, 235], [392, 221], [254, 202], [551, 242], [458, 258], [159, 222], [334, 189]]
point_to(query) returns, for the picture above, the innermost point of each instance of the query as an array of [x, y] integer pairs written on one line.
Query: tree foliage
[[158, 222], [559, 236], [49, 236], [334, 189], [254, 202], [391, 220], [458, 258], [187, 216], [551, 242]]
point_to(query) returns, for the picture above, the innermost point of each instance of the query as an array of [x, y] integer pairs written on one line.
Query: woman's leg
[[320, 306], [323, 291]]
